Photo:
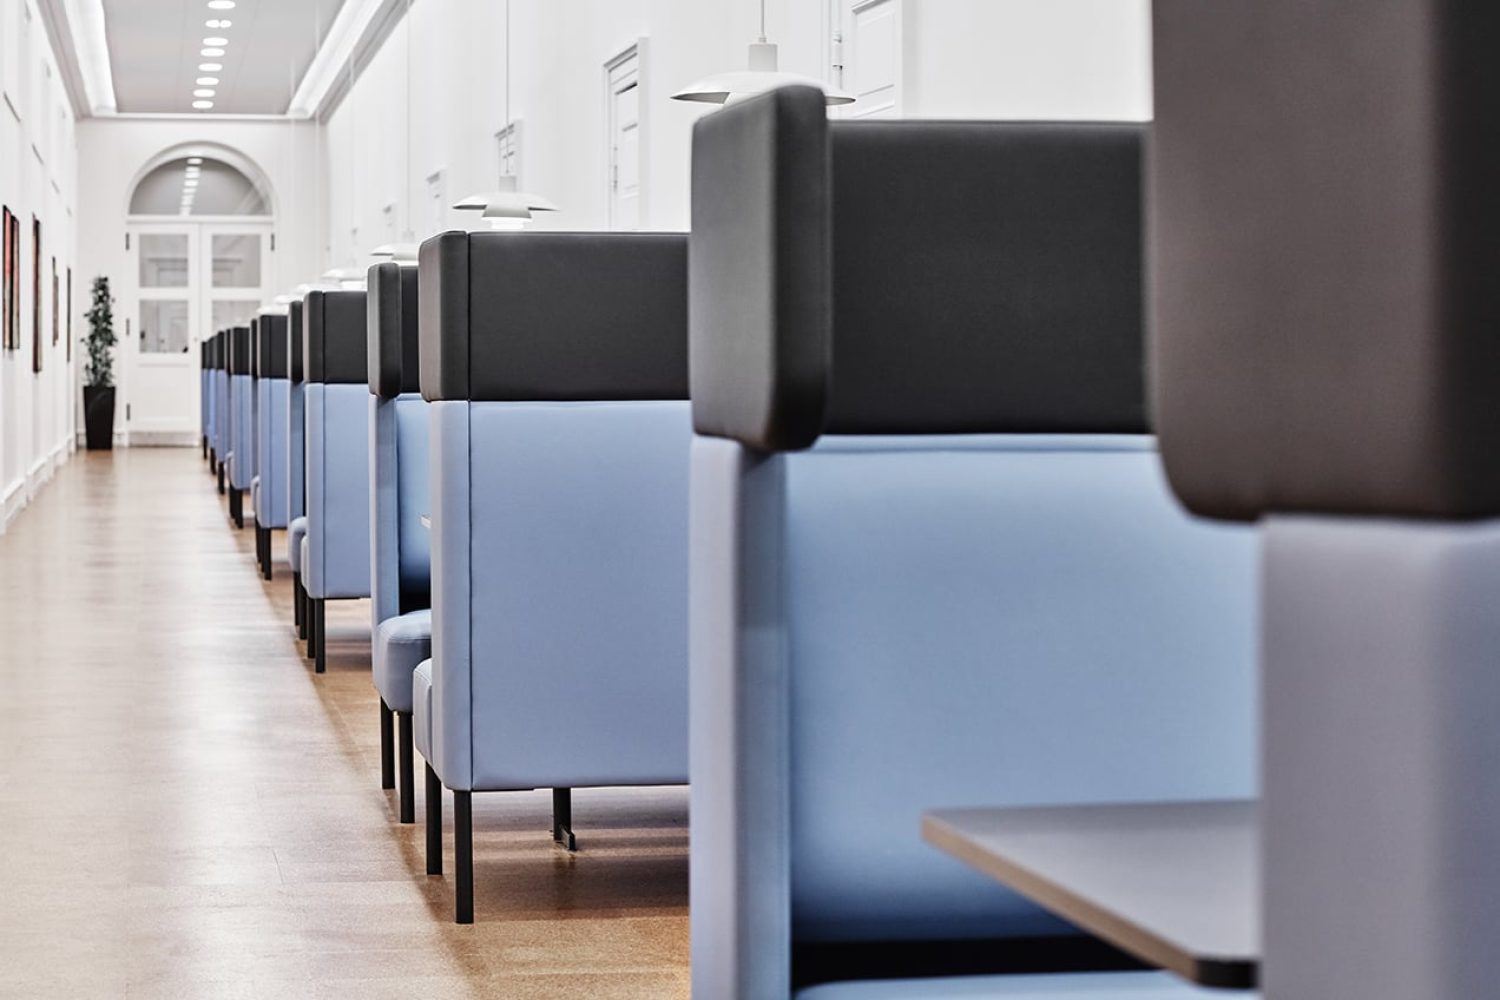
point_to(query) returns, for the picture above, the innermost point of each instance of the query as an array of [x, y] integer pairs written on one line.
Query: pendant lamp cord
[[507, 65], [762, 21]]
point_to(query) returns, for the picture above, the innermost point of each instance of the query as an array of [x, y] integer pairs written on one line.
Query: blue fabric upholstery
[[221, 414], [559, 593], [421, 721], [241, 433], [270, 459], [883, 626], [400, 644], [296, 453], [400, 560], [1082, 986], [338, 491], [296, 532], [210, 411], [203, 398]]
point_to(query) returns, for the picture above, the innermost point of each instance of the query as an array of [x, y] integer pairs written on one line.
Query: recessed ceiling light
[[203, 105], [221, 4], [194, 161], [207, 81], [215, 22], [210, 67], [215, 40], [211, 53], [204, 92]]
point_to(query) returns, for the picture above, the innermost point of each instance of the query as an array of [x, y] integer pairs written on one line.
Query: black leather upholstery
[[554, 316], [1323, 283], [270, 346], [913, 277], [335, 337], [393, 330], [239, 350], [294, 340]]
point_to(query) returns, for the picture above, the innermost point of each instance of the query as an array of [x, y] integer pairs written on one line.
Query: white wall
[[113, 156], [1023, 59], [37, 178]]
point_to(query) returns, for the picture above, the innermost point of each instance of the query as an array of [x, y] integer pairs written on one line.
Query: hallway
[[190, 812]]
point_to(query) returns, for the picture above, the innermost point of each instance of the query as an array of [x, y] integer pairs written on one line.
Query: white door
[[191, 280], [867, 56], [624, 96]]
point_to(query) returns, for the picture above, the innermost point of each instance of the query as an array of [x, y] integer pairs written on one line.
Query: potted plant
[[99, 370]]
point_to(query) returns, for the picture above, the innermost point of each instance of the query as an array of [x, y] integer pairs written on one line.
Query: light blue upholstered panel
[[415, 472], [210, 410], [578, 570], [421, 728], [996, 621], [203, 401], [221, 412], [883, 626], [385, 527], [338, 481], [296, 453], [449, 682], [241, 432], [1085, 986], [399, 473], [296, 531], [270, 443], [400, 643]]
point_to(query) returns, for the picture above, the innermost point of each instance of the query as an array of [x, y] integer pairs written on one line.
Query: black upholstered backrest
[[239, 350], [213, 350], [554, 316], [912, 277], [255, 347], [334, 337], [1323, 261], [392, 323], [270, 345], [294, 339]]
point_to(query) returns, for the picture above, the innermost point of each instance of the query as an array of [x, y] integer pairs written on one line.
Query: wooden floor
[[186, 810]]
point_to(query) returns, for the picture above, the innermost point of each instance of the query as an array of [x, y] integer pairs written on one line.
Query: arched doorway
[[199, 229]]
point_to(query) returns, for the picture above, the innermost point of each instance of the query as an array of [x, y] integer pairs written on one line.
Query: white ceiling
[[154, 52]]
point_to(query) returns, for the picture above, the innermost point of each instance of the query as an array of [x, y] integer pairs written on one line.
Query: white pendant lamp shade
[[505, 208], [404, 254], [737, 85], [347, 277]]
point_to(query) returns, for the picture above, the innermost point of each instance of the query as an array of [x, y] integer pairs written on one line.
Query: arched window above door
[[198, 185]]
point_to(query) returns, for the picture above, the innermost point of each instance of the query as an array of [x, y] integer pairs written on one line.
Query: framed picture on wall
[[36, 294], [15, 282], [56, 319], [68, 304], [7, 280]]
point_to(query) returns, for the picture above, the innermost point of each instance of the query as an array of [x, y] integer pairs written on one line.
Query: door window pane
[[227, 313], [236, 262], [164, 260], [164, 327]]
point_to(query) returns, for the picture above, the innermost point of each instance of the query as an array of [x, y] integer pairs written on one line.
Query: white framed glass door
[[191, 279]]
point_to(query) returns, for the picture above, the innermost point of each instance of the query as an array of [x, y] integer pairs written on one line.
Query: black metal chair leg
[[387, 747], [265, 553], [463, 858], [297, 604], [562, 819], [408, 771], [434, 803], [221, 479], [320, 636], [237, 507]]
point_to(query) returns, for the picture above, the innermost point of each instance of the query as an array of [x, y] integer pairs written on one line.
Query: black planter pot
[[99, 416]]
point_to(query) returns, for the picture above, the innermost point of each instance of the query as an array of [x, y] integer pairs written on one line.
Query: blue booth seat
[[934, 560], [203, 369], [400, 561], [221, 406], [210, 400], [240, 460], [337, 545], [556, 366], [295, 478], [270, 431]]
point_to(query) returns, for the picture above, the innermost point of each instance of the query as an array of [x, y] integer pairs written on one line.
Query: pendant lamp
[[762, 75], [506, 207]]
